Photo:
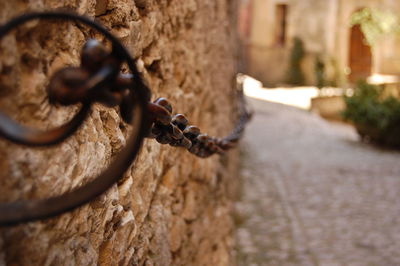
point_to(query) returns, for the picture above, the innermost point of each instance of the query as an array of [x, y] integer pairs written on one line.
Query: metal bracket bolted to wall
[[99, 79]]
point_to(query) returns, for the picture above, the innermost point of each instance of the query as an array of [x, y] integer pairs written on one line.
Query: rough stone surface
[[171, 208]]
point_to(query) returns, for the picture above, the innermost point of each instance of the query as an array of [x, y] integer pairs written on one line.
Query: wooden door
[[360, 60]]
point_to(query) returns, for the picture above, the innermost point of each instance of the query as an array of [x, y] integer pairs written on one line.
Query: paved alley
[[312, 194]]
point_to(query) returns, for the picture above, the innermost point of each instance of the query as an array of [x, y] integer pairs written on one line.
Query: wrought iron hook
[[98, 79], [25, 211]]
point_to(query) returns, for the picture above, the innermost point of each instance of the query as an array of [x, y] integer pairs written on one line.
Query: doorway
[[360, 58]]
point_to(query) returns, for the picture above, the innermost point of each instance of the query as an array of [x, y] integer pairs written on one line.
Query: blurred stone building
[[268, 28]]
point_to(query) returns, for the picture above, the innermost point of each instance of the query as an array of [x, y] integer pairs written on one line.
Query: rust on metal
[[165, 128], [99, 79]]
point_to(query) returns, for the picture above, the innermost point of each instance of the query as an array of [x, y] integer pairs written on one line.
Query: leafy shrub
[[376, 23], [319, 70], [376, 118], [295, 73]]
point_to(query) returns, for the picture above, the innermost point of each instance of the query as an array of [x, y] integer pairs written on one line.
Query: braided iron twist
[[176, 131], [98, 79], [66, 88]]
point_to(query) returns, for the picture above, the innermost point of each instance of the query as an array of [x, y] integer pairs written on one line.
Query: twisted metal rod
[[98, 79], [176, 131], [23, 210]]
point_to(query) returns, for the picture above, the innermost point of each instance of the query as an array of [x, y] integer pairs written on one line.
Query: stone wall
[[324, 27], [171, 208], [385, 52], [307, 20]]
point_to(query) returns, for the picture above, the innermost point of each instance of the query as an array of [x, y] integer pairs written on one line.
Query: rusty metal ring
[[15, 132], [30, 210]]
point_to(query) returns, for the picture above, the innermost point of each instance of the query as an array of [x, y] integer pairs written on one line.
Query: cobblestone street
[[312, 194]]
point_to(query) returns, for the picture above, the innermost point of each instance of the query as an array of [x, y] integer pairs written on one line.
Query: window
[[281, 11]]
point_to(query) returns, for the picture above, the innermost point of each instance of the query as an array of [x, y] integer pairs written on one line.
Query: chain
[[177, 132], [72, 85], [99, 79]]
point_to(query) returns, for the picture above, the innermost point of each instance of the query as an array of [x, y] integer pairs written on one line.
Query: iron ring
[[29, 210]]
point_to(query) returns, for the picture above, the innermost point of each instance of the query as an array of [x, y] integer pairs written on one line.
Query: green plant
[[319, 70], [375, 23], [295, 73], [376, 118]]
